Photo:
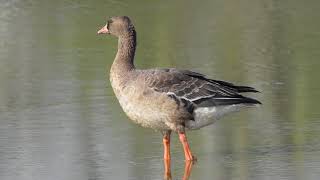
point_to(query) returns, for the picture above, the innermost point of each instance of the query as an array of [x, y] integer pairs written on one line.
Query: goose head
[[119, 26]]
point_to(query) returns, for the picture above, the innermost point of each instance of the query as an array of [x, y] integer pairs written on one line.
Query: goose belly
[[141, 111], [145, 116], [204, 116]]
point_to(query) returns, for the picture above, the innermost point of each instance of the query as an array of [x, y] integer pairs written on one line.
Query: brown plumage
[[168, 99]]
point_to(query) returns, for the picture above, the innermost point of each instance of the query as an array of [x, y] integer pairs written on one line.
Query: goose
[[168, 99]]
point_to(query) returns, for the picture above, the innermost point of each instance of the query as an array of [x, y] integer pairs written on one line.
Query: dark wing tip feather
[[238, 89], [247, 100], [241, 89], [226, 101]]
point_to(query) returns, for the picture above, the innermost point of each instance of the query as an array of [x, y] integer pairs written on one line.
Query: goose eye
[[109, 22]]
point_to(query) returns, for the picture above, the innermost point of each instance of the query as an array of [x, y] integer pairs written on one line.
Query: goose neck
[[125, 55]]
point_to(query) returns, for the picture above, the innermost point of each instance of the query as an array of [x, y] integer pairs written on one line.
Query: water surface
[[59, 118]]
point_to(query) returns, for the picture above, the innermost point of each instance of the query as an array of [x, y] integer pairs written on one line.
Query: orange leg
[[166, 154], [187, 153], [167, 169], [166, 146]]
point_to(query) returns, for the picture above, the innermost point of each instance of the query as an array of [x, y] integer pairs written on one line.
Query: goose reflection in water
[[167, 169]]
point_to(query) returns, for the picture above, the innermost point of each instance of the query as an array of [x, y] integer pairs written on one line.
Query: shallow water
[[59, 118]]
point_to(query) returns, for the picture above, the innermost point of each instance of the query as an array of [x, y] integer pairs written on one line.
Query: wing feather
[[195, 89]]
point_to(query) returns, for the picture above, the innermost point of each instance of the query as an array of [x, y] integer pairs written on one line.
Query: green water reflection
[[59, 118]]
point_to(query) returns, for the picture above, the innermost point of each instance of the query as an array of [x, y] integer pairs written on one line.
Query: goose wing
[[194, 89]]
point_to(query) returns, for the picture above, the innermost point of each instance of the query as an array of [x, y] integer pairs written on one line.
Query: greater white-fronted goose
[[168, 99]]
